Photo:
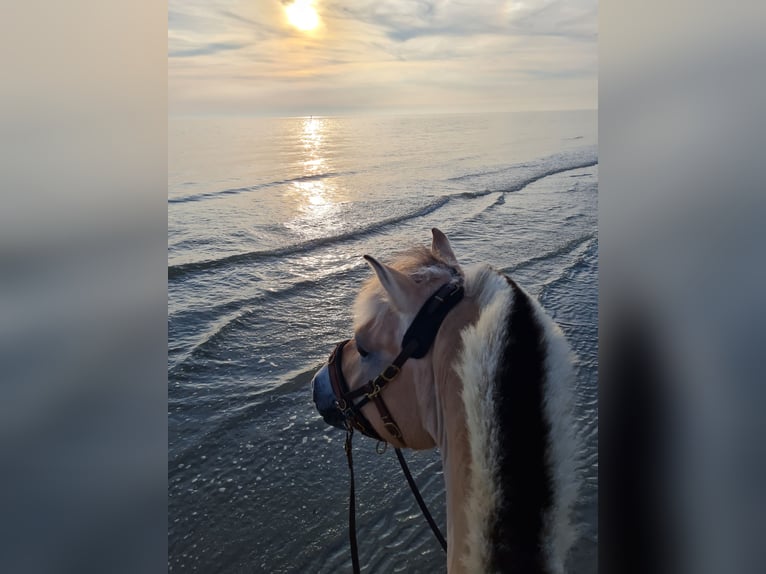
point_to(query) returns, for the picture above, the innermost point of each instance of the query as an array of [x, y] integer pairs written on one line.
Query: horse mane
[[515, 369]]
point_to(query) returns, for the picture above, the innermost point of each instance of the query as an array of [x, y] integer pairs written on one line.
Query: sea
[[268, 219]]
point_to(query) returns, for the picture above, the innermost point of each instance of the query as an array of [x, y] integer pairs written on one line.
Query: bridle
[[416, 343]]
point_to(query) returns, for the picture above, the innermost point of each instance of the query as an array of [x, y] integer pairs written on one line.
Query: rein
[[352, 501], [416, 343]]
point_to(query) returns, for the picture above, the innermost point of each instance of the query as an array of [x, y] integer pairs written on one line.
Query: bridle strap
[[419, 499], [369, 392], [375, 387], [422, 331], [345, 399], [352, 501], [416, 342]]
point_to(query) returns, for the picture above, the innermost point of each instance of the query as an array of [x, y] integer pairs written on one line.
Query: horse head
[[385, 315]]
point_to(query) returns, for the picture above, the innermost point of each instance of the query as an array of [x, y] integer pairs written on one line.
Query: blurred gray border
[[83, 271], [681, 218], [83, 295]]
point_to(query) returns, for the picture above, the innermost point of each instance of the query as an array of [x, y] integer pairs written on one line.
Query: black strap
[[424, 327], [415, 343], [352, 504], [419, 499]]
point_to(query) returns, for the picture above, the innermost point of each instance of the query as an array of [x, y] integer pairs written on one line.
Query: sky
[[246, 57]]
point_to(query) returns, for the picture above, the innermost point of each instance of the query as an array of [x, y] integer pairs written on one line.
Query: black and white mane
[[517, 375]]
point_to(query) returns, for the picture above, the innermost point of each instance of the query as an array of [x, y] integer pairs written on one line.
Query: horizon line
[[351, 113]]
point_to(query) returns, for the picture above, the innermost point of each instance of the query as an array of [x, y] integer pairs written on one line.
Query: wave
[[473, 175], [518, 187], [216, 311], [244, 405], [224, 317], [237, 190], [563, 249], [181, 270], [241, 310], [577, 264], [559, 163], [529, 181], [176, 271]]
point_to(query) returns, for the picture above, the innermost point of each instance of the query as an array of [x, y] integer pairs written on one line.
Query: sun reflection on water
[[312, 138], [316, 193]]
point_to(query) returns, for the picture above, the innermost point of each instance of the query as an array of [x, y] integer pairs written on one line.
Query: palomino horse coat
[[494, 394]]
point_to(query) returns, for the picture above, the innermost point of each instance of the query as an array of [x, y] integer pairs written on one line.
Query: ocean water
[[267, 223]]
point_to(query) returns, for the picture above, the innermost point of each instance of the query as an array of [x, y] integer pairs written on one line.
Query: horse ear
[[401, 290], [441, 248]]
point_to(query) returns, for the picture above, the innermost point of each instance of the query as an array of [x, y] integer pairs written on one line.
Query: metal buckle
[[383, 376], [345, 409], [378, 448], [393, 428], [375, 391]]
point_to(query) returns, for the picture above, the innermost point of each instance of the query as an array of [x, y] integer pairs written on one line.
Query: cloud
[[205, 50], [408, 20], [373, 56]]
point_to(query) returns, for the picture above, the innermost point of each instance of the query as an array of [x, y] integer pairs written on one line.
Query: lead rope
[[419, 499], [352, 502]]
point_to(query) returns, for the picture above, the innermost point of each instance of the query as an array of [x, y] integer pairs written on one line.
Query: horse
[[489, 380]]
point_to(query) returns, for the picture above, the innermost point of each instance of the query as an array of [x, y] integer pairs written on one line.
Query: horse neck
[[451, 437], [447, 413]]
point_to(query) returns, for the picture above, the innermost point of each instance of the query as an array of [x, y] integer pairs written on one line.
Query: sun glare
[[302, 15]]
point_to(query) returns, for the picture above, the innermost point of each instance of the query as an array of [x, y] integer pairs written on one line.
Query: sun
[[302, 15]]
